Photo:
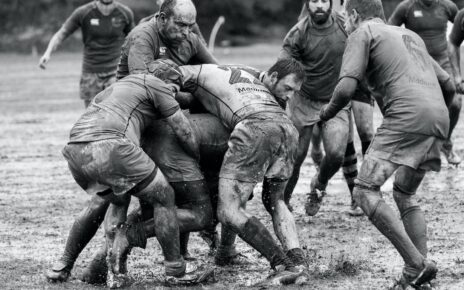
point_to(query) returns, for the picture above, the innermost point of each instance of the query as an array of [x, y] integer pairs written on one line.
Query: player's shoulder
[[124, 9], [145, 29], [448, 4], [300, 28], [406, 5], [85, 9]]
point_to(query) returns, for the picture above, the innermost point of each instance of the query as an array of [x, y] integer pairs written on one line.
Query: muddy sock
[[365, 145], [257, 236], [136, 235], [385, 220], [184, 239], [350, 166], [414, 224], [175, 268]]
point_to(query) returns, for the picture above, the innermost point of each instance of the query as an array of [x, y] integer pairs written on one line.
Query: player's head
[[358, 11], [176, 18], [284, 79], [319, 10], [167, 71], [106, 2]]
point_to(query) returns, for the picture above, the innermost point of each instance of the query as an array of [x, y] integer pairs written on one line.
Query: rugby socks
[[414, 224], [82, 231], [297, 256], [257, 236], [184, 239], [365, 145], [350, 166], [385, 220]]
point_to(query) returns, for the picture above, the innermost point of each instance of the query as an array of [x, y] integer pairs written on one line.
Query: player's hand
[[43, 61], [460, 88], [322, 113]]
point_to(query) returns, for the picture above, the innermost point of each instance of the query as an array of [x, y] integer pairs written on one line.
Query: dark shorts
[[414, 150], [116, 164], [93, 83], [444, 61], [305, 112], [261, 147]]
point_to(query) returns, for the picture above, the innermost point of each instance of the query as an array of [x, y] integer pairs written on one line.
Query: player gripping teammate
[[416, 94], [104, 25], [262, 144], [429, 19]]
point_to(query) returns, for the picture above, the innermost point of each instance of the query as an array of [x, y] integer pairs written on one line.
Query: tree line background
[[30, 24]]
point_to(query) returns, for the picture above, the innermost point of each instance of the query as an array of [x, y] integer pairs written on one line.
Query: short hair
[[167, 7], [286, 66], [366, 8]]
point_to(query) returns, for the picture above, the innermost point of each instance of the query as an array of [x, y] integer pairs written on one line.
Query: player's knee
[[226, 216], [404, 199], [456, 104], [336, 155], [366, 133], [367, 196]]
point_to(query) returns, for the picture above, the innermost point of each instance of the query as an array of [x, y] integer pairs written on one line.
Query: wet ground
[[38, 199]]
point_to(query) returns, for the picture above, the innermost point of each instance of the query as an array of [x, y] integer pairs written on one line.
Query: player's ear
[[162, 17], [274, 77]]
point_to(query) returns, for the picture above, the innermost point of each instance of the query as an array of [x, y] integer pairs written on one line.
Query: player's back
[[399, 64], [125, 109], [230, 93]]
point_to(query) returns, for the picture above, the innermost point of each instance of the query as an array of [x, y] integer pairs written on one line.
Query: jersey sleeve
[[141, 52], [452, 10], [162, 97], [457, 33], [130, 20], [291, 47], [190, 75], [398, 16], [356, 55], [73, 22]]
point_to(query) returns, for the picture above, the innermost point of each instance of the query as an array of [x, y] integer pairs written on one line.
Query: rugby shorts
[[304, 112], [261, 146], [93, 83], [116, 164], [409, 149]]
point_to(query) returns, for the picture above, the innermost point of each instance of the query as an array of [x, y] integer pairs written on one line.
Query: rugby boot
[[190, 276], [451, 156], [211, 238], [229, 256], [96, 272], [313, 203], [284, 274], [355, 210], [419, 281], [59, 272]]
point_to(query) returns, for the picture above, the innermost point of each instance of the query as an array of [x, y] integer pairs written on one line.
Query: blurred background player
[[429, 19], [104, 25], [417, 91], [455, 40]]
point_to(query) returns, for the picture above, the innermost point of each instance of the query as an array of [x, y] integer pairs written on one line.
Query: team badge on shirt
[[418, 13], [117, 21], [95, 21], [162, 51]]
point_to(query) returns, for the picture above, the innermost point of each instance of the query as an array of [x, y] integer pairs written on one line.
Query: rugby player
[[105, 158], [455, 39], [167, 36], [416, 94], [429, 19], [104, 25], [262, 145], [318, 41]]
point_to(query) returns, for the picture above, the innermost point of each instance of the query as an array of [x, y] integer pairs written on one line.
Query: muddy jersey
[[145, 44], [320, 51], [457, 33], [430, 22], [229, 93], [396, 60], [125, 109], [102, 35]]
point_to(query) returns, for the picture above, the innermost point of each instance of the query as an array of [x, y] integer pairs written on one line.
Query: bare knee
[[367, 197]]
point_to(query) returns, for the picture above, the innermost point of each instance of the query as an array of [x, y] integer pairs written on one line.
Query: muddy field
[[39, 199]]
